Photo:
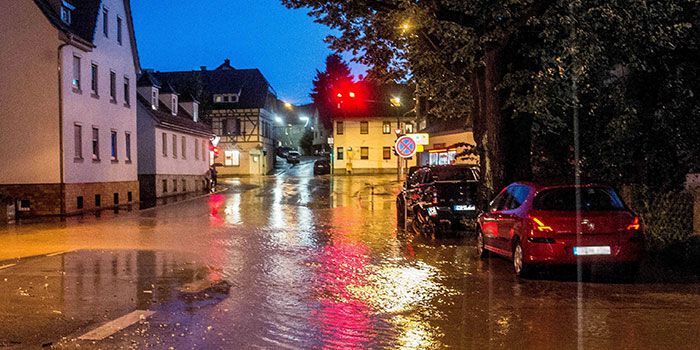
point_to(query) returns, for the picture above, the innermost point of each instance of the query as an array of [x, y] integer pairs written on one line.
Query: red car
[[540, 225]]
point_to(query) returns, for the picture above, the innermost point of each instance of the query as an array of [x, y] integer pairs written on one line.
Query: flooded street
[[299, 262]]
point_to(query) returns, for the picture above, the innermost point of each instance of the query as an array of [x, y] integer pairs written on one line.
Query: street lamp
[[279, 120], [288, 105], [395, 102], [304, 118]]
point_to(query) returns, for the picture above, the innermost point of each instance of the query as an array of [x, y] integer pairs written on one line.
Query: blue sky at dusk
[[286, 45]]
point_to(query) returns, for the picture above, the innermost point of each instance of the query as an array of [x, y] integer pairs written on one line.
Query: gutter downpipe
[[60, 126]]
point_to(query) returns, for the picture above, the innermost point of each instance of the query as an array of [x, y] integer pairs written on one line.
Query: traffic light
[[214, 149]]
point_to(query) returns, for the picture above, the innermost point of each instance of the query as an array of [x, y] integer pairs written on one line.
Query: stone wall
[[111, 195], [42, 199]]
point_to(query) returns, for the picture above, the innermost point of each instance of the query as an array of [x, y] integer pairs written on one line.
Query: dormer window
[[154, 98], [226, 98], [173, 105], [67, 12]]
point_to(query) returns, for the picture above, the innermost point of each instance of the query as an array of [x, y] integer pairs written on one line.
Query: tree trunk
[[488, 125]]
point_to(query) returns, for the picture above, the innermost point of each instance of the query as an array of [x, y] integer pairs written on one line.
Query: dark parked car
[[543, 225], [293, 157], [322, 167], [439, 198]]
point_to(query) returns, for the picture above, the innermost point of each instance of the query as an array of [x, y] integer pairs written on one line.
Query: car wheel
[[520, 268], [481, 246]]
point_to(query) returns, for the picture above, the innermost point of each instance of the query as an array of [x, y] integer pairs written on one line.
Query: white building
[[68, 112], [173, 144]]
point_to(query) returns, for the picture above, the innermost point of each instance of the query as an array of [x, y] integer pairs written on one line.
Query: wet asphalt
[[293, 261]]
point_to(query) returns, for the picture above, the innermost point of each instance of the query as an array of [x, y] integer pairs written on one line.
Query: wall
[[29, 118], [375, 139], [92, 111], [171, 164], [146, 140], [446, 140]]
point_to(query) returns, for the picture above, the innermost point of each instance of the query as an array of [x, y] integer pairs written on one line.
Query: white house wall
[[29, 126], [100, 112]]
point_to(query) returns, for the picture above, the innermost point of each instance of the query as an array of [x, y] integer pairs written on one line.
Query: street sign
[[406, 147], [421, 139]]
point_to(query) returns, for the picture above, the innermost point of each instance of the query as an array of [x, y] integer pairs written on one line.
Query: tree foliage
[[335, 74], [607, 89]]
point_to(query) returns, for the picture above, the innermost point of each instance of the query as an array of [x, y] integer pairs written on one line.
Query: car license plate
[[464, 207], [601, 250], [432, 211]]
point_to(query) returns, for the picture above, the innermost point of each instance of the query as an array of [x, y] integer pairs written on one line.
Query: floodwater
[[311, 263]]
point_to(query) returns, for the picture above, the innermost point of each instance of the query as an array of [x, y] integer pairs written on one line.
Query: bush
[[667, 216]]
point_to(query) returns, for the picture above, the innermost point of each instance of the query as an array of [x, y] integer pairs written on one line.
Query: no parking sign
[[406, 147]]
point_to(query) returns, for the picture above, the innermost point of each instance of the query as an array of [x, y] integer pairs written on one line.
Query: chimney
[[202, 68], [227, 62]]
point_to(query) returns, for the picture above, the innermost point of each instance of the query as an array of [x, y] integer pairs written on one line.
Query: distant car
[[283, 152], [439, 199], [293, 157], [543, 225], [322, 167]]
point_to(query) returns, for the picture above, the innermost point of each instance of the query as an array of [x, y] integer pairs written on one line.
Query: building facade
[[173, 144], [241, 107], [445, 144], [68, 113], [364, 145]]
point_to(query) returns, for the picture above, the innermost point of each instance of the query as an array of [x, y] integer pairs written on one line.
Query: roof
[[147, 79], [254, 89], [84, 22], [163, 115], [445, 126]]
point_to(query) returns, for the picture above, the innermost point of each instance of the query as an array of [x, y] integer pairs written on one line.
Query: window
[[174, 146], [79, 202], [154, 98], [364, 127], [114, 145], [340, 153], [127, 143], [116, 199], [165, 144], [173, 104], [218, 98], [226, 98], [94, 86], [105, 22], [174, 185], [119, 30], [113, 86], [183, 185], [386, 128], [232, 158], [76, 73], [408, 128], [196, 149], [165, 186], [129, 197], [590, 199], [183, 145], [78, 140], [95, 144], [126, 91], [67, 12], [339, 128], [386, 151], [238, 126], [203, 150], [364, 153], [98, 200]]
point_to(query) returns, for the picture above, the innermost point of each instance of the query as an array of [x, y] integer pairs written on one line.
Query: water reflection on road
[[318, 263]]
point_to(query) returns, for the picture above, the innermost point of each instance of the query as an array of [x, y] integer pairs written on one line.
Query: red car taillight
[[540, 226], [435, 199], [635, 225]]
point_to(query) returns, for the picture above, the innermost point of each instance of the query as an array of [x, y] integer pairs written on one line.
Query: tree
[[306, 143], [336, 74], [599, 88]]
